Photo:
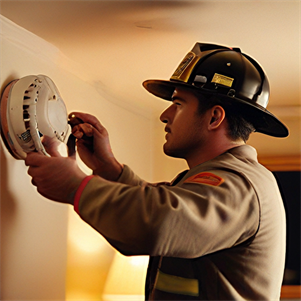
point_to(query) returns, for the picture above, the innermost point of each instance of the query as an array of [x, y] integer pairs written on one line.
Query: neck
[[210, 151]]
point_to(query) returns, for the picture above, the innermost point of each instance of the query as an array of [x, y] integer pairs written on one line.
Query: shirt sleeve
[[129, 177], [186, 221]]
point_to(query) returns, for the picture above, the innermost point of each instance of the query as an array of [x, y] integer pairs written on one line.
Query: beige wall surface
[[43, 254], [33, 230]]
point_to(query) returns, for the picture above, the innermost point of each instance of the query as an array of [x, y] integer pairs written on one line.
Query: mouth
[[167, 129]]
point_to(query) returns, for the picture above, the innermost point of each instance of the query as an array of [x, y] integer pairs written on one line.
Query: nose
[[165, 116]]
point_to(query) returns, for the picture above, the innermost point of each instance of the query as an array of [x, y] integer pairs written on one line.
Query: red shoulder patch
[[205, 178]]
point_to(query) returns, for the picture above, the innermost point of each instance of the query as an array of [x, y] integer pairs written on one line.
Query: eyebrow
[[174, 98]]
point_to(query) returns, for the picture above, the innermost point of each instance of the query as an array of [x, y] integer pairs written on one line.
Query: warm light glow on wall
[[88, 262], [138, 261], [83, 238], [96, 271], [81, 296], [126, 278]]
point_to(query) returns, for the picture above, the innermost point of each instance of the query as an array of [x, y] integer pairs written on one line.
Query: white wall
[[35, 239], [33, 230]]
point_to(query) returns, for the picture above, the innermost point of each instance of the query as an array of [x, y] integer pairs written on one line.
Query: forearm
[[171, 221]]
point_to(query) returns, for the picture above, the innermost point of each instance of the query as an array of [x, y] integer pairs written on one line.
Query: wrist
[[110, 171], [74, 185], [79, 192]]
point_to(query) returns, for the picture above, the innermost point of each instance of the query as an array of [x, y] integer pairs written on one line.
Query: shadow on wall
[[8, 209], [7, 206]]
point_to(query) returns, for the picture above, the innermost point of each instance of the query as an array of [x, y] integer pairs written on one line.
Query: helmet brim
[[263, 120]]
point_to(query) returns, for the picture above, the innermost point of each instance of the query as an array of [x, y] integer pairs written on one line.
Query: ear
[[217, 117]]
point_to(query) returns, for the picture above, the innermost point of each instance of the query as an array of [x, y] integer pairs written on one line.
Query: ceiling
[[119, 44]]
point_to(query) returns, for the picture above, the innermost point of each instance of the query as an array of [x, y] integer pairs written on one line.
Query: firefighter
[[217, 231]]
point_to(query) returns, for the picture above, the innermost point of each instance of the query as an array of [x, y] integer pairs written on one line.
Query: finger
[[86, 129], [87, 118], [34, 159], [51, 146], [85, 144], [84, 132]]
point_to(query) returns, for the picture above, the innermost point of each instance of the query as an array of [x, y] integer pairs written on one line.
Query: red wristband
[[80, 190]]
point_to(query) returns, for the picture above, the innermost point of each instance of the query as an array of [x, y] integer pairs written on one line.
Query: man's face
[[186, 128]]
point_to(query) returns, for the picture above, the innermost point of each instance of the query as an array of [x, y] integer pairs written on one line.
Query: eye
[[177, 101]]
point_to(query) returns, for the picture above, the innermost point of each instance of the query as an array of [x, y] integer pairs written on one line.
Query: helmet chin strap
[[31, 107]]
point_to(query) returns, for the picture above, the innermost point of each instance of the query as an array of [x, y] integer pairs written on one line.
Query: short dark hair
[[238, 125]]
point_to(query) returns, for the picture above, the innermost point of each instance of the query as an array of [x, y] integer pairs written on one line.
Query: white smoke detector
[[31, 107]]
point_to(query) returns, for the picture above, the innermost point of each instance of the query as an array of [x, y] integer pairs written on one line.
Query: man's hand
[[56, 177], [93, 147]]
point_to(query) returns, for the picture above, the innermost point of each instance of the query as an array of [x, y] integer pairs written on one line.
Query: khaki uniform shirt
[[217, 232]]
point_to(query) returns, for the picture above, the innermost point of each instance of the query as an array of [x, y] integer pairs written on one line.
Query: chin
[[172, 152]]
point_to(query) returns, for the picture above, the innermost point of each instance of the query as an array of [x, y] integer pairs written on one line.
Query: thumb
[[51, 146]]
